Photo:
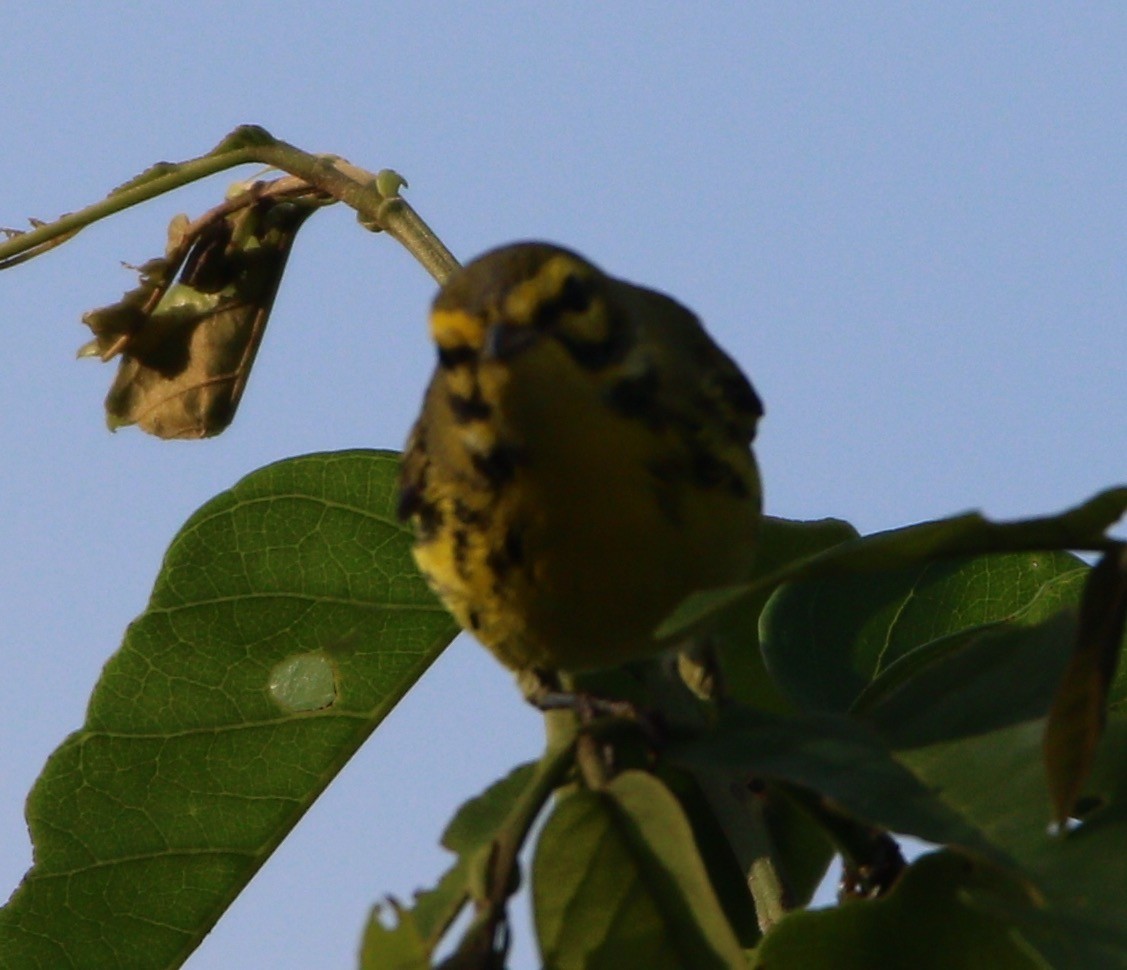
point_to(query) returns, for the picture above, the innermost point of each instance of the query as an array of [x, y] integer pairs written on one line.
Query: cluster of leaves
[[904, 696], [954, 681]]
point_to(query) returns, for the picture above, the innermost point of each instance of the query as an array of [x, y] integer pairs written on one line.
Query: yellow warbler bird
[[582, 461]]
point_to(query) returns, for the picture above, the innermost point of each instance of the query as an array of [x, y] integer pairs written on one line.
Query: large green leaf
[[287, 620], [826, 639], [1081, 527]]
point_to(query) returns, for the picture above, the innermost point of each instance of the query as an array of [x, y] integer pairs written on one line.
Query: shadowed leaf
[[997, 782], [925, 923], [833, 757]]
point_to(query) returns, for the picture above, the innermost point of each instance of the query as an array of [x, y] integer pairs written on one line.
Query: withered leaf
[[1079, 713], [187, 346]]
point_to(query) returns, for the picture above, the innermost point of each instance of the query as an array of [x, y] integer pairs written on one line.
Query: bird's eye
[[574, 296]]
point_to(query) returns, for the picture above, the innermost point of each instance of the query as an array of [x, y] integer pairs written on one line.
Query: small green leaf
[[420, 928], [617, 882], [1079, 713], [398, 947], [720, 825], [475, 824], [148, 821]]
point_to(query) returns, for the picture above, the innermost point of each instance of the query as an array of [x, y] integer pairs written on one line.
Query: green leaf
[[736, 632], [418, 930], [398, 947], [833, 757], [971, 682], [751, 839], [826, 639], [196, 757], [476, 822], [1079, 873], [925, 923], [1082, 527], [1079, 712], [723, 847], [617, 882]]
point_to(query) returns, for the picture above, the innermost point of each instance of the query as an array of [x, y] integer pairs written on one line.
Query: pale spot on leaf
[[304, 682]]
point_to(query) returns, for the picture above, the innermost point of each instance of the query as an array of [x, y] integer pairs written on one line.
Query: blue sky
[[907, 222]]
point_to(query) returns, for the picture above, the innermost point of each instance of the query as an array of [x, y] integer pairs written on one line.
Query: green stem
[[481, 935], [374, 197], [550, 773]]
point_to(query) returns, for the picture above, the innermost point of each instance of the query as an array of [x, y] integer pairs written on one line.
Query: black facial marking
[[514, 545], [637, 397], [451, 357], [708, 471], [468, 409], [574, 296], [595, 355]]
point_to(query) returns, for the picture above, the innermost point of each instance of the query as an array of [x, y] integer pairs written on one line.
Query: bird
[[581, 463]]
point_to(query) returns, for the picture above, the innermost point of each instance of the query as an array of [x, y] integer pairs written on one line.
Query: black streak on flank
[[499, 465], [427, 516], [461, 553], [509, 556], [410, 501], [467, 515]]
